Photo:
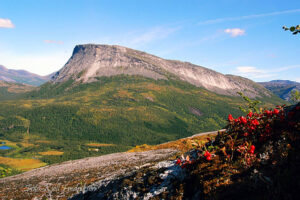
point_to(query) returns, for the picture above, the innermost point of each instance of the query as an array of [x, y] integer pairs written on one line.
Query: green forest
[[123, 111]]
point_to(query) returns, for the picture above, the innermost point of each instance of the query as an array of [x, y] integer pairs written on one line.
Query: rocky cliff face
[[91, 61]]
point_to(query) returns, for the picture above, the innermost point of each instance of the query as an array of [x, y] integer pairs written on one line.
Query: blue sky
[[242, 37]]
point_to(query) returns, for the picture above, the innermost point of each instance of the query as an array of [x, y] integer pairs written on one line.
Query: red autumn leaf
[[243, 120], [276, 112], [230, 118], [250, 114], [255, 122], [206, 154]]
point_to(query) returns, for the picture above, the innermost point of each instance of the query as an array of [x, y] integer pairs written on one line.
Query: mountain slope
[[282, 88], [10, 90], [116, 108], [91, 61], [122, 111], [152, 111], [21, 76]]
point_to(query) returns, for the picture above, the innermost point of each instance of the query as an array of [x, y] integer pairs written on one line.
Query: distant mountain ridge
[[282, 88], [92, 61], [22, 76]]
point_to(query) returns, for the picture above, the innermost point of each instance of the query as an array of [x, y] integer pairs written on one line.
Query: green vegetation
[[294, 29], [295, 96], [5, 95], [251, 104], [10, 91], [121, 110], [7, 171]]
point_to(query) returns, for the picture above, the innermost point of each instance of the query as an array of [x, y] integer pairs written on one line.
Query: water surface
[[4, 147]]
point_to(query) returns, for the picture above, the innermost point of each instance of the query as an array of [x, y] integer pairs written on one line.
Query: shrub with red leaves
[[246, 137], [260, 150], [256, 130]]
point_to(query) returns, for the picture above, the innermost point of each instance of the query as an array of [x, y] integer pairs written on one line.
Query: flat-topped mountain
[[91, 61], [21, 76], [282, 88]]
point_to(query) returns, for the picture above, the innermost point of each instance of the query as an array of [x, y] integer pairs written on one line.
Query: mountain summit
[[91, 61]]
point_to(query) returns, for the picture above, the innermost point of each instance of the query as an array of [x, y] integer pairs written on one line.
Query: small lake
[[4, 147]]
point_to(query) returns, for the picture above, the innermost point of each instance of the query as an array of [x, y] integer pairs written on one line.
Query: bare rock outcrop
[[91, 61], [60, 181]]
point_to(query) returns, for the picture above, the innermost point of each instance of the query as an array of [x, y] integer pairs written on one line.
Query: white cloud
[[248, 69], [53, 42], [6, 23], [234, 32], [256, 73], [297, 80], [253, 72], [151, 35], [282, 69], [227, 19]]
